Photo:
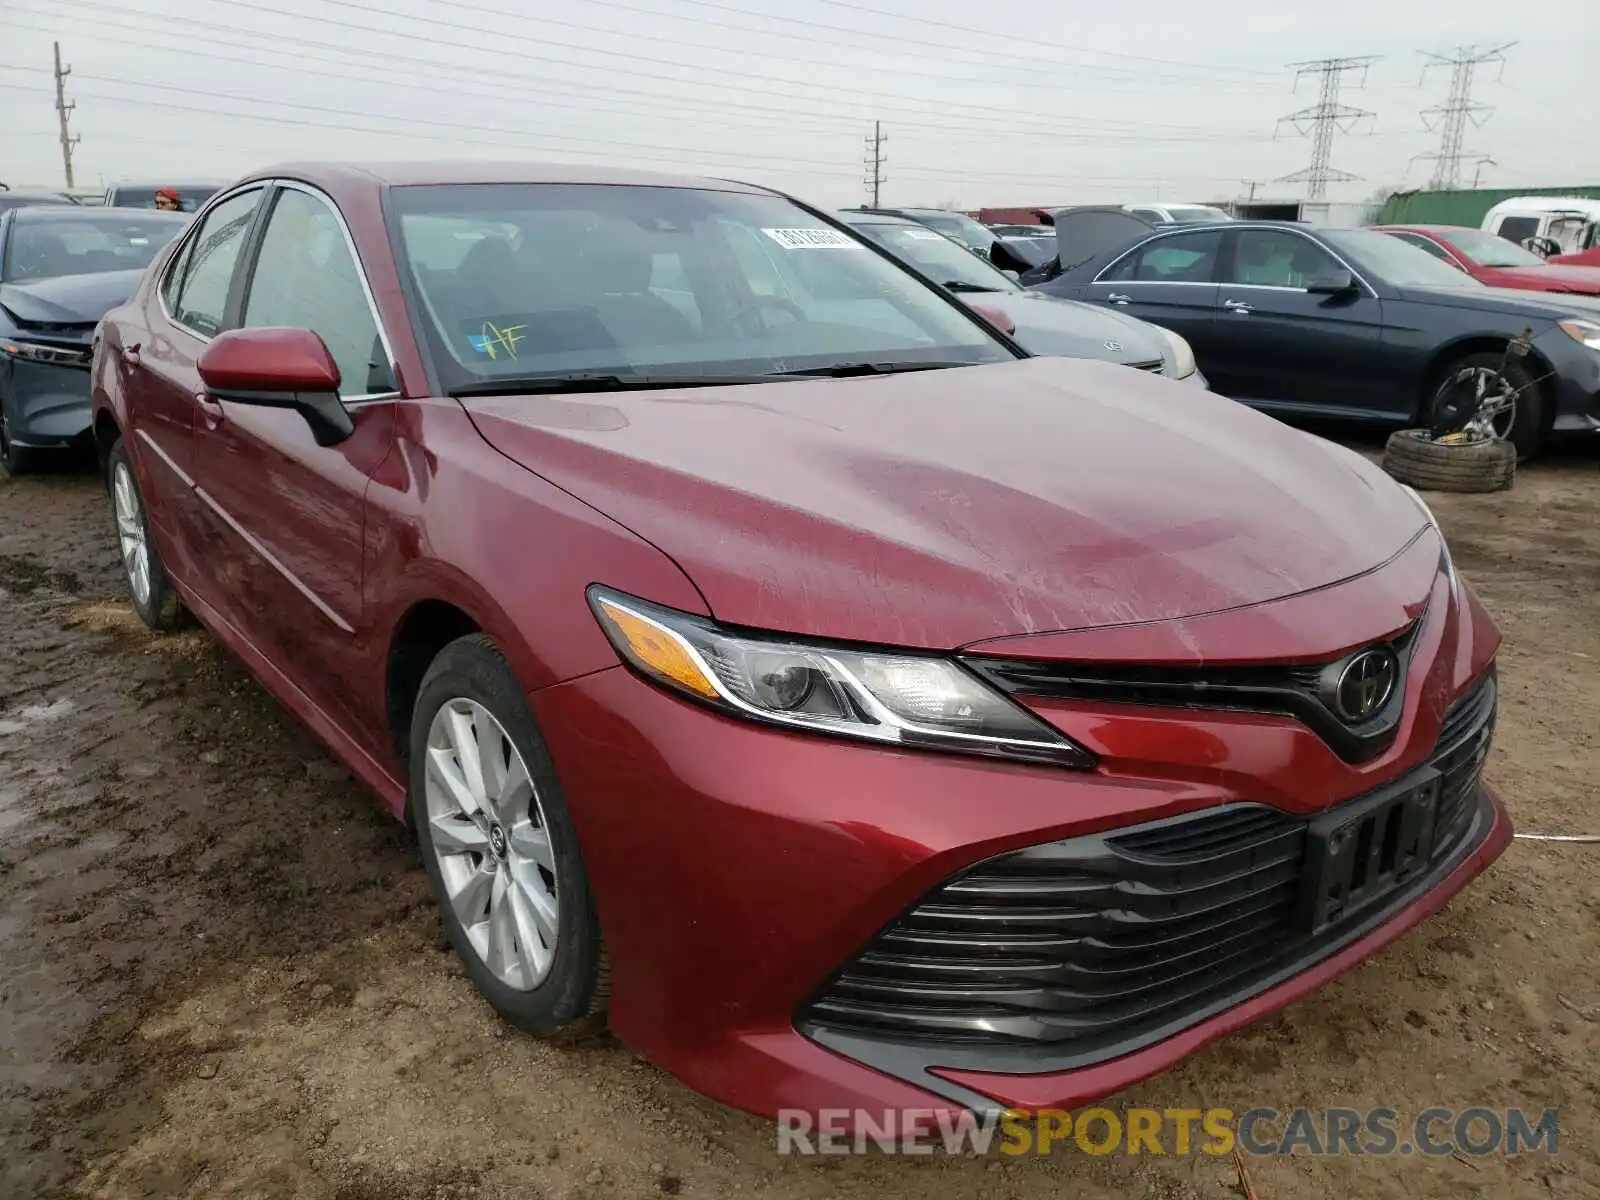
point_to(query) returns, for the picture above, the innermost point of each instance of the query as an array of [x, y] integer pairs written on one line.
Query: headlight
[[1182, 355], [1579, 330], [61, 356], [910, 700]]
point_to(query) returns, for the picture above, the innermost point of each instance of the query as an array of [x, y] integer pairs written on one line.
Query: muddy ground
[[221, 975]]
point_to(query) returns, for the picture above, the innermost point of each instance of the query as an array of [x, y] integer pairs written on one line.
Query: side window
[[1515, 229], [206, 266], [1181, 258], [305, 277], [1279, 258], [1428, 244], [175, 273]]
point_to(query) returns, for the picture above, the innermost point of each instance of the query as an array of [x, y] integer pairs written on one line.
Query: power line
[[1451, 117], [875, 162], [64, 115], [1321, 119]]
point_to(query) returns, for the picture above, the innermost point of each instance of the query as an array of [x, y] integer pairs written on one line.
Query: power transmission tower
[[875, 162], [64, 116], [1324, 117], [1451, 117]]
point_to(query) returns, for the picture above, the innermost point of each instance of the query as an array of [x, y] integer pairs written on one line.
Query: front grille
[[1087, 945], [1299, 691]]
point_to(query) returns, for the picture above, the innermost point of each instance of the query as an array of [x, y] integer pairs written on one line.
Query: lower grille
[[1092, 941]]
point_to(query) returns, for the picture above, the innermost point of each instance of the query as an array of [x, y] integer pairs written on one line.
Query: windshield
[[1397, 263], [520, 280], [936, 256], [1195, 214], [78, 243], [1491, 250], [953, 224]]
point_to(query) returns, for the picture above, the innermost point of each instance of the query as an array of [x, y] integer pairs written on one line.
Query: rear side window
[[1181, 258], [199, 297]]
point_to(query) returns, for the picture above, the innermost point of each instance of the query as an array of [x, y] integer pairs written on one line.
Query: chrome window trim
[[1266, 287], [293, 185]]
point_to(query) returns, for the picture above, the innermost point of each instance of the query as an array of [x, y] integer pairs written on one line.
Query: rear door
[[1281, 346], [1169, 281], [286, 516], [162, 384]]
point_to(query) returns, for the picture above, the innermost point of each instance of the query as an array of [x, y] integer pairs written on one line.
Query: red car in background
[[770, 656], [1584, 258], [1497, 262]]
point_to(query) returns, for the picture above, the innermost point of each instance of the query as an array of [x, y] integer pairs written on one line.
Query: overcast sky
[[1028, 102]]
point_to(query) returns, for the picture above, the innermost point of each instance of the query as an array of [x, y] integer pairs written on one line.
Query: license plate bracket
[[1361, 852]]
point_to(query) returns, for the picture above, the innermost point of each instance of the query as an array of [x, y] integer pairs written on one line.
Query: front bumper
[[1576, 383], [739, 870], [46, 405]]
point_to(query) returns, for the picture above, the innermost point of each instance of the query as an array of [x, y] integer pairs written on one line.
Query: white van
[[1547, 224]]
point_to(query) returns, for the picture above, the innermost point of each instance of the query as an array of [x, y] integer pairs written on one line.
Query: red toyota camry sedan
[[771, 658]]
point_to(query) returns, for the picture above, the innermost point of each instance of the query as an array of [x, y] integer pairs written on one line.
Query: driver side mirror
[[1335, 283], [279, 368]]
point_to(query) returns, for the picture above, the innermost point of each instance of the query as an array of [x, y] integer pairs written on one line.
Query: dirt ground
[[221, 974]]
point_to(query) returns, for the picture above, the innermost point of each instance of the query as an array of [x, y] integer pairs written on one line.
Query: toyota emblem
[[1365, 685], [1114, 346]]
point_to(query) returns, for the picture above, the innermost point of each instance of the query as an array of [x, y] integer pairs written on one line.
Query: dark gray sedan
[[61, 270], [1043, 324]]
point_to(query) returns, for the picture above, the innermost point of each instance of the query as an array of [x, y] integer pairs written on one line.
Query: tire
[[1482, 466], [1527, 428], [14, 459], [154, 598], [488, 866]]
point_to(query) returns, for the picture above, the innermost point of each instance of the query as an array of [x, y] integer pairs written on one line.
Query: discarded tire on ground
[[1479, 465]]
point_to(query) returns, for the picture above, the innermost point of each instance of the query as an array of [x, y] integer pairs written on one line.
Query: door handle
[[1238, 306], [1119, 298]]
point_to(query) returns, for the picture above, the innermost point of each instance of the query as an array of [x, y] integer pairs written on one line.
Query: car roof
[[861, 216], [1442, 230], [447, 172]]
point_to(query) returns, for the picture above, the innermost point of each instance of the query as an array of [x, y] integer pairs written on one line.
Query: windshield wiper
[[597, 381], [961, 285], [841, 370]]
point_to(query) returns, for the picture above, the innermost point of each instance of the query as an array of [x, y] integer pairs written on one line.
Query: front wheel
[[1511, 404], [499, 846]]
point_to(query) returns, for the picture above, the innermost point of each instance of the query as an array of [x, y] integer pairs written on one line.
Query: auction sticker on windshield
[[811, 239]]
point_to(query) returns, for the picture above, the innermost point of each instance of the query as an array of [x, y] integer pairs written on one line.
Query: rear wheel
[[152, 593], [499, 846]]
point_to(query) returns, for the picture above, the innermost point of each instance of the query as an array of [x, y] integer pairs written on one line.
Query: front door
[[181, 316], [1282, 346], [1169, 281], [287, 515]]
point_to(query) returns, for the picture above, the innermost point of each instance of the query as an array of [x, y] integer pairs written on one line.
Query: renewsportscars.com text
[[1260, 1132]]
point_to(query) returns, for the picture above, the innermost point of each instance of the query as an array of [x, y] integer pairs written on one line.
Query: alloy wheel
[[491, 842], [1496, 412], [131, 532]]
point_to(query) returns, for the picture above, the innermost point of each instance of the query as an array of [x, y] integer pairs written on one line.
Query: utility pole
[[1319, 121], [64, 116], [1451, 117], [875, 162]]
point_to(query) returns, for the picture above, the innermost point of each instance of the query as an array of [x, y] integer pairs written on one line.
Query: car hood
[[68, 299], [1047, 325], [938, 508], [1545, 306], [1552, 277]]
